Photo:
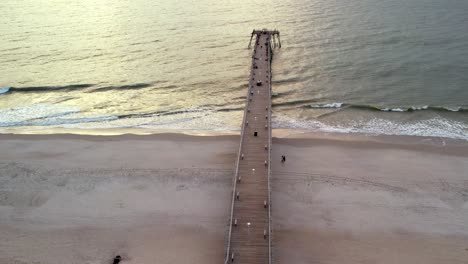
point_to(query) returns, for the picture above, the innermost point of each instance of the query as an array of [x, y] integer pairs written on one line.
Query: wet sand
[[165, 199]]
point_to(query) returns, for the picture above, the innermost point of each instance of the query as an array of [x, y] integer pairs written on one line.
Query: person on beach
[[117, 259], [283, 158]]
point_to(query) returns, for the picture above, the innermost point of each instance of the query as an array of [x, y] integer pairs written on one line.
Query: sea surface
[[353, 66]]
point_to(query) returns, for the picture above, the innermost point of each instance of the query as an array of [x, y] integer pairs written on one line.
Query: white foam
[[46, 115], [4, 90], [204, 119], [26, 115], [453, 109], [417, 108], [393, 110], [434, 127], [331, 105], [192, 119]]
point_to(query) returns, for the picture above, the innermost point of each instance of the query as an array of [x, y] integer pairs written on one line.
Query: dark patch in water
[[50, 88], [230, 109], [122, 87]]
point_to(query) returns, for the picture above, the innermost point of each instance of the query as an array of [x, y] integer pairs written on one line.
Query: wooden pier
[[249, 237]]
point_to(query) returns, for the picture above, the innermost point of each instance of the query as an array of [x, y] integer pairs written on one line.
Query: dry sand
[[165, 199], [360, 200]]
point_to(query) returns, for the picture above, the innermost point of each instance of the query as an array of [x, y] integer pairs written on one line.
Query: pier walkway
[[249, 238]]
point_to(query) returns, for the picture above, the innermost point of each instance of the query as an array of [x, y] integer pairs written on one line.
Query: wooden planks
[[249, 240]]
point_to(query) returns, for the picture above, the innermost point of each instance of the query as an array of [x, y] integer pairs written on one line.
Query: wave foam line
[[435, 127], [58, 121]]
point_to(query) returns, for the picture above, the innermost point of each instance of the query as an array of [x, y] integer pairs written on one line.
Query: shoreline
[[276, 134]]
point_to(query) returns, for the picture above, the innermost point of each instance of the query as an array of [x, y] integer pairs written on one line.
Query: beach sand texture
[[165, 199]]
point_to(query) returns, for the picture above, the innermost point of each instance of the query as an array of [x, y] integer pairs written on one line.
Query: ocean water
[[352, 66]]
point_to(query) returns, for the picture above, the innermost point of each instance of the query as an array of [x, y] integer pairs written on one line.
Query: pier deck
[[249, 239]]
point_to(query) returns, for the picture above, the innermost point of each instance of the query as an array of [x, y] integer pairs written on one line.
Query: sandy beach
[[165, 199]]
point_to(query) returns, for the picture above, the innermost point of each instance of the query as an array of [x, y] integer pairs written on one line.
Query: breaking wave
[[332, 105], [390, 109]]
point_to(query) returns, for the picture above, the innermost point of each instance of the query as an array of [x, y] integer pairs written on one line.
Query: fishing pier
[[249, 237]]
